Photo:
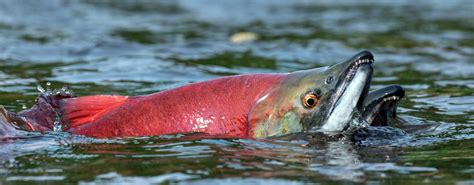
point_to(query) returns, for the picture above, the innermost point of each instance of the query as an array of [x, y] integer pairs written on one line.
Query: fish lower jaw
[[387, 100], [344, 109]]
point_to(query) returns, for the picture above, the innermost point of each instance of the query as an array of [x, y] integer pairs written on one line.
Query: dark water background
[[134, 47]]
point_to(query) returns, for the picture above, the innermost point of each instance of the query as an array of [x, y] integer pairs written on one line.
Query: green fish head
[[323, 99]]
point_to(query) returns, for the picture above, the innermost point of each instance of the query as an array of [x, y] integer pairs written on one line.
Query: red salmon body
[[216, 107], [251, 105]]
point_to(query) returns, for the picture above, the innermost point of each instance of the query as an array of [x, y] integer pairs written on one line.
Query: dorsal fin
[[86, 109]]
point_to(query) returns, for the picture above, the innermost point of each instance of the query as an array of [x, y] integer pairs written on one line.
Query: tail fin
[[60, 110], [45, 114]]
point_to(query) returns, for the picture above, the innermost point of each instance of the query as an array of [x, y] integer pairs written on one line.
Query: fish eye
[[310, 100]]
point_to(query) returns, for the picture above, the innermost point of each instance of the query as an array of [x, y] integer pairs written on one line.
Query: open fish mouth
[[351, 90], [380, 105]]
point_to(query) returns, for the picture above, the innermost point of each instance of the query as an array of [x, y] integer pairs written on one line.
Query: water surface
[[135, 48]]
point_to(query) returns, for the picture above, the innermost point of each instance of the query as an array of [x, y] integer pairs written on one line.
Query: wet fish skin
[[242, 106]]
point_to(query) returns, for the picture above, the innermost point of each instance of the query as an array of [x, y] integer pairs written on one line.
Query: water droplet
[[48, 88], [40, 89], [57, 124]]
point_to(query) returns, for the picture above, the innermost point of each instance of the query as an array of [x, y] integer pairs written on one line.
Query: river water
[[140, 47]]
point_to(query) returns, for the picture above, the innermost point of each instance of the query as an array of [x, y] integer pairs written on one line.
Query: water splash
[[40, 89], [49, 92], [357, 122], [57, 126], [64, 91]]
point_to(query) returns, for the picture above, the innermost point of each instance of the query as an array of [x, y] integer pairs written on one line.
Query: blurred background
[[133, 47]]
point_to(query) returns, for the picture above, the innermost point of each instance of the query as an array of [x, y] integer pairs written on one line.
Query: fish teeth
[[394, 98], [362, 61]]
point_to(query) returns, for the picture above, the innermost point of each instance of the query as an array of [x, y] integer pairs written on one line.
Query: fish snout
[[350, 90]]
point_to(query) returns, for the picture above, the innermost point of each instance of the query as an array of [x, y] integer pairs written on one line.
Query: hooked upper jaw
[[352, 87]]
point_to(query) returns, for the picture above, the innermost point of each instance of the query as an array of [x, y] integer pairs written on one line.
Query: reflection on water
[[172, 159], [140, 47]]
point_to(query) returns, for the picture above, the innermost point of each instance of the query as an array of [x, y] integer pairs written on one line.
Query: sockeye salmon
[[326, 99]]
